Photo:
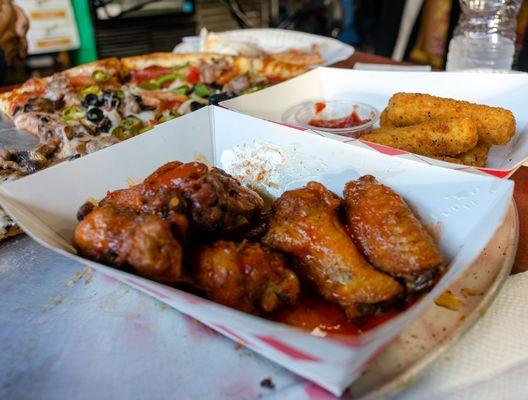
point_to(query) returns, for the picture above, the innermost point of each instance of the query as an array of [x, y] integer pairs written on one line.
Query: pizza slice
[[71, 112], [299, 57], [95, 105], [169, 85]]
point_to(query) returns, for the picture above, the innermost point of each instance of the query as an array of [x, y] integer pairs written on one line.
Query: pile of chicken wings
[[187, 222]]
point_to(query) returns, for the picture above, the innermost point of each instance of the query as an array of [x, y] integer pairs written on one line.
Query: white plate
[[276, 40]]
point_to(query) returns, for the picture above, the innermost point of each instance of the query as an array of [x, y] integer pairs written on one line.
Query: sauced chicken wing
[[390, 235], [143, 242], [215, 203], [248, 277], [305, 224]]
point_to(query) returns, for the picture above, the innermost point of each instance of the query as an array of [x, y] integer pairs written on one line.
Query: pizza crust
[[266, 67], [110, 65], [165, 59], [31, 85], [13, 231], [4, 105], [281, 70]]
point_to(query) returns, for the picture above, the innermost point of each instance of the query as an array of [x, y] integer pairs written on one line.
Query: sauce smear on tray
[[318, 316]]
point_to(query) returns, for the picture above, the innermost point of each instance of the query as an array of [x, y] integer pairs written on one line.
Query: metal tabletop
[[67, 336]]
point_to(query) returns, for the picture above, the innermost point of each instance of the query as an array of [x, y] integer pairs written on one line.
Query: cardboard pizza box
[[466, 209], [376, 87]]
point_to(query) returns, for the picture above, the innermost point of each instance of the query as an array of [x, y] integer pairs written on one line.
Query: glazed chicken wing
[[305, 224], [390, 235], [247, 277], [215, 203], [143, 242]]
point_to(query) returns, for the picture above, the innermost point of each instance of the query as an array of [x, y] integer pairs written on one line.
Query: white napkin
[[491, 360]]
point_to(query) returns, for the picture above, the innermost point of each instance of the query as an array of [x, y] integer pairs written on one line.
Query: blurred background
[[63, 33]]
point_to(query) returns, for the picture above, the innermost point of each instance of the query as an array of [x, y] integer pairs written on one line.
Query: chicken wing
[[305, 224], [389, 234], [143, 242], [215, 203], [247, 277]]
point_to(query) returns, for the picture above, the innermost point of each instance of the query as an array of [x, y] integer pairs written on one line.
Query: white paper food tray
[[277, 40], [466, 209], [376, 87]]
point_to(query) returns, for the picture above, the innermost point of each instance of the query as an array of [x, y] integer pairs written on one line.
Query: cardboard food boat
[[509, 91], [465, 208]]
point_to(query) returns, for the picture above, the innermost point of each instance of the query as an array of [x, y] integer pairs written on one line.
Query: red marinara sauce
[[349, 121], [319, 107], [314, 314]]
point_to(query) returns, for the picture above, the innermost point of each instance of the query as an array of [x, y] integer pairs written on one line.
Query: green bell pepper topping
[[181, 90], [200, 90], [148, 85], [165, 78], [154, 84]]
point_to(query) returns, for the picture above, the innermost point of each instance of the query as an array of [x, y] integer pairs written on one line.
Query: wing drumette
[[244, 276], [305, 224], [143, 242], [390, 235]]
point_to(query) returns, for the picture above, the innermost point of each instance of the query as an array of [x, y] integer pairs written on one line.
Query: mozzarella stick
[[436, 138], [476, 157], [495, 125], [384, 120]]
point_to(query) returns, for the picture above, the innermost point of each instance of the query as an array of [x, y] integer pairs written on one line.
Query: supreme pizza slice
[[169, 85], [95, 105], [71, 112]]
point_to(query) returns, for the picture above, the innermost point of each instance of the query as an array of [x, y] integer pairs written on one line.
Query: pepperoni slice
[[193, 77], [146, 74]]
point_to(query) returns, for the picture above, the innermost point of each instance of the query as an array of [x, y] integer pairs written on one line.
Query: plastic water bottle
[[484, 38]]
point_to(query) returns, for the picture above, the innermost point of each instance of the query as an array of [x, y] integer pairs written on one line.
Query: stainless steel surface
[[14, 139], [67, 339]]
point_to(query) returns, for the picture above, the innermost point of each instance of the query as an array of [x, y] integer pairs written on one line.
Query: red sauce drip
[[313, 312], [349, 121]]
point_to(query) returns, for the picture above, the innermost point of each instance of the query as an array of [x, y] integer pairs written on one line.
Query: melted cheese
[[176, 83], [113, 116], [146, 116]]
